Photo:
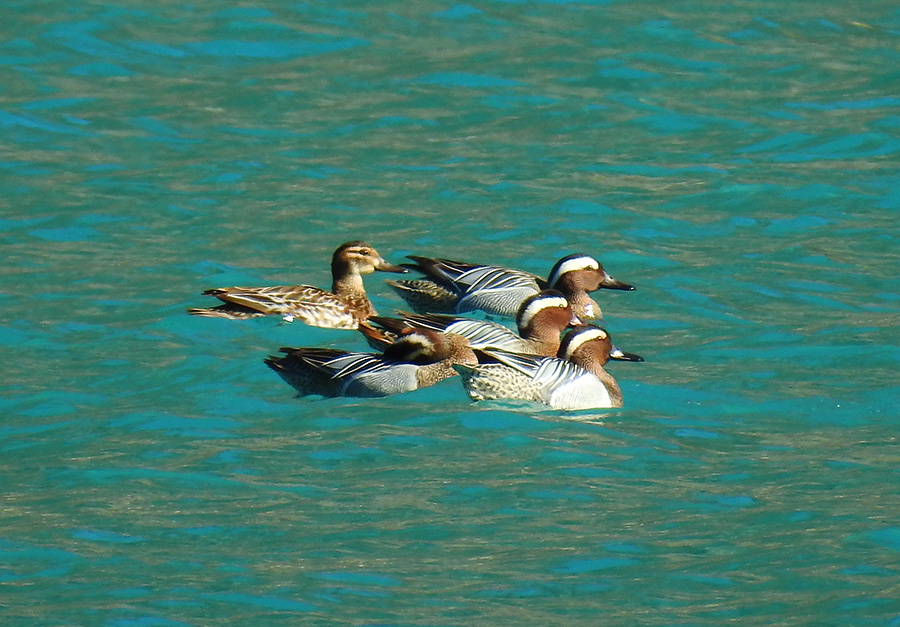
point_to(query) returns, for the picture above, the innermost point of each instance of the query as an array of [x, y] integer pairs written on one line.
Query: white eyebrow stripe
[[539, 304], [581, 338], [578, 263]]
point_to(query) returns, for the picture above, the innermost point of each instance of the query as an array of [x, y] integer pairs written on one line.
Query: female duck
[[456, 286], [416, 360], [575, 380], [344, 307]]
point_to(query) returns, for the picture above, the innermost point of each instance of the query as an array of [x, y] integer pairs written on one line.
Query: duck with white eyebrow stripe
[[578, 382], [541, 319], [457, 287], [575, 276]]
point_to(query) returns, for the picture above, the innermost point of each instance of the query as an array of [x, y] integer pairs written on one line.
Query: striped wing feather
[[467, 276], [341, 365], [496, 278], [479, 333], [548, 372]]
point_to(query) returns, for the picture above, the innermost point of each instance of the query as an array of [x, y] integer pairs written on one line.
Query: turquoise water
[[737, 162]]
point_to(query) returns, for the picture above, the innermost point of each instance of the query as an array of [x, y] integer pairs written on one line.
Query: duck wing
[[493, 289], [312, 305], [479, 333], [469, 276]]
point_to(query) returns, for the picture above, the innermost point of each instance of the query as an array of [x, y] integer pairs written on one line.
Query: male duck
[[540, 320], [575, 380], [457, 287], [416, 360], [344, 307]]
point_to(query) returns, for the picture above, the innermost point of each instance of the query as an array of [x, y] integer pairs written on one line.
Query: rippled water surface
[[737, 162]]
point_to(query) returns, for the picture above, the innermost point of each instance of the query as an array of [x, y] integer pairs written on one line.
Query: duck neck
[[615, 392], [348, 286], [583, 305], [544, 339], [457, 351]]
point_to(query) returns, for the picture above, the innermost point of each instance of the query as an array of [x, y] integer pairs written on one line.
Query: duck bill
[[384, 266], [620, 355], [575, 321], [612, 284]]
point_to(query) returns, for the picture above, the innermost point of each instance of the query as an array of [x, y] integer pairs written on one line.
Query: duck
[[573, 380], [458, 287], [417, 359], [541, 318], [344, 307]]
